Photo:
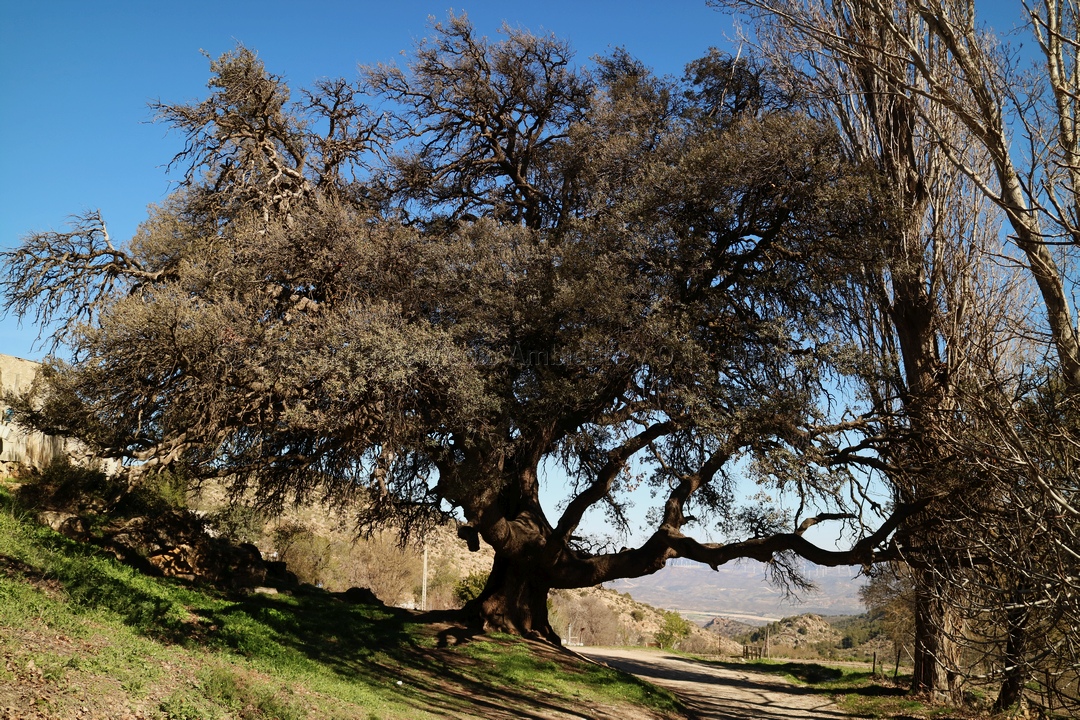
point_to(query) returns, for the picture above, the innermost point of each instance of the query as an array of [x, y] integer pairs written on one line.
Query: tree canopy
[[414, 291]]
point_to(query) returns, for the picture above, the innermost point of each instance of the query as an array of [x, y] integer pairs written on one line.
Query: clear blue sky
[[77, 76]]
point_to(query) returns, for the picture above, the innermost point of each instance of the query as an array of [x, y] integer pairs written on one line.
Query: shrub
[[237, 522], [470, 587], [443, 579], [380, 564], [675, 628], [71, 488], [156, 493], [587, 618], [700, 644], [306, 554]]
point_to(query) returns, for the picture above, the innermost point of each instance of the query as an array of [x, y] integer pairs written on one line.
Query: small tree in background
[[675, 628]]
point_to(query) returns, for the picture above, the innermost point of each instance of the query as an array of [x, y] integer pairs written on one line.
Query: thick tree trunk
[[936, 653], [515, 599]]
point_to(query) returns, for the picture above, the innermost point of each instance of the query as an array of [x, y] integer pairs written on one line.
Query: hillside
[[597, 616], [601, 616], [800, 631], [741, 590], [85, 636], [319, 542], [809, 636], [727, 627]]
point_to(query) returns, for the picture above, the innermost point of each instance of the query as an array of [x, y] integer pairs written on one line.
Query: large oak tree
[[512, 263]]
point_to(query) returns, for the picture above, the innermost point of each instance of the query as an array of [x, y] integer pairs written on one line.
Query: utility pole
[[423, 590]]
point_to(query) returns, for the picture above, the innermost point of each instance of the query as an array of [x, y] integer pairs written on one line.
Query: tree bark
[[1016, 673], [936, 653], [515, 599]]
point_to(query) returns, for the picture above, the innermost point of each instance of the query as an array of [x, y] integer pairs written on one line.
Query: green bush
[[239, 523], [675, 628], [71, 488], [470, 587], [82, 490], [157, 492]]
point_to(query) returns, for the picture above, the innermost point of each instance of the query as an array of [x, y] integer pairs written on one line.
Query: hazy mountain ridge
[[742, 589]]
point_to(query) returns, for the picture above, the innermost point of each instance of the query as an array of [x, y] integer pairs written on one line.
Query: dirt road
[[719, 693]]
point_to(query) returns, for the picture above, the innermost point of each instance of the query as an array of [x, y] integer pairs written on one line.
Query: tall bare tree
[[963, 91], [937, 297]]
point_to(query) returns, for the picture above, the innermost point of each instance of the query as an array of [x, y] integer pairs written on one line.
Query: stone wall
[[21, 449]]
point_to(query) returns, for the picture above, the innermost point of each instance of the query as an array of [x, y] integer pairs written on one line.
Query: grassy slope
[[84, 636]]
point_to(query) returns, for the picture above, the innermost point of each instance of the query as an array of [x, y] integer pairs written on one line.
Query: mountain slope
[[741, 589]]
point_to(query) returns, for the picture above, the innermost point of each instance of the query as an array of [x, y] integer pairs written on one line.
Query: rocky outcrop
[[174, 545], [27, 451], [239, 567]]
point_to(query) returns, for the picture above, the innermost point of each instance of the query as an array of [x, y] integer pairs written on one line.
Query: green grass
[[507, 659], [75, 620]]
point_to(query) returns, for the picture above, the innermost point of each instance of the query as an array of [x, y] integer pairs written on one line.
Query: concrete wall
[[20, 449]]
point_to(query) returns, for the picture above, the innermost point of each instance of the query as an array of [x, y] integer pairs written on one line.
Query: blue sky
[[76, 78]]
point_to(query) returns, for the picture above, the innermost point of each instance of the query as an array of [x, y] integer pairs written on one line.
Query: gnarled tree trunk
[[515, 599]]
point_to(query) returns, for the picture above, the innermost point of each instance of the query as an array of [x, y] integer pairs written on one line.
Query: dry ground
[[718, 693]]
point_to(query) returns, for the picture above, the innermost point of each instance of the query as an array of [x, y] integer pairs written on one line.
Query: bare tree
[[1018, 148], [1019, 534], [934, 297]]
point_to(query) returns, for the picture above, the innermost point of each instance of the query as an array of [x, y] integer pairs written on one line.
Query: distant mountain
[[727, 627], [741, 590]]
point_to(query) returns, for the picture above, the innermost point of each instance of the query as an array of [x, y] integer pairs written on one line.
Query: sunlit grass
[[74, 617]]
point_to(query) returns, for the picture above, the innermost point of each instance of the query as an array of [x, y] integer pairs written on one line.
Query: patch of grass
[[227, 688], [171, 649], [898, 706], [511, 660]]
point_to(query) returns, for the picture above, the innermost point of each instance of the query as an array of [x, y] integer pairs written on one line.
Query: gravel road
[[719, 693]]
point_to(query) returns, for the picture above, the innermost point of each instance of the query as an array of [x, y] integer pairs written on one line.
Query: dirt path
[[718, 693]]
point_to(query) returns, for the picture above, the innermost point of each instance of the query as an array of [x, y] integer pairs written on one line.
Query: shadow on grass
[[834, 681], [442, 668]]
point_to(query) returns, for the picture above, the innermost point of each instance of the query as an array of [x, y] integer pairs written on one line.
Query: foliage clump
[[675, 628]]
